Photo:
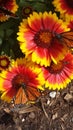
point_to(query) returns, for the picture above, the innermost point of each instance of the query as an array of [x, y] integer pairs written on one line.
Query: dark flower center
[[56, 68], [70, 3], [43, 38], [18, 81]]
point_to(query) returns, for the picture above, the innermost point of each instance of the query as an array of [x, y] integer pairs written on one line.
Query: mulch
[[48, 113]]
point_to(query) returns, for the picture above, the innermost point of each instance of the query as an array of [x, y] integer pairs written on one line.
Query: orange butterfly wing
[[29, 94], [20, 97], [32, 93], [68, 38]]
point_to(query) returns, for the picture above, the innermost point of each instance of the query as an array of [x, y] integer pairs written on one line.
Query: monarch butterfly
[[7, 12], [66, 38], [26, 94]]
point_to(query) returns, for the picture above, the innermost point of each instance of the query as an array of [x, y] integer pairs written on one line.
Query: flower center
[[43, 38], [56, 68], [4, 62], [26, 11], [18, 81], [70, 3]]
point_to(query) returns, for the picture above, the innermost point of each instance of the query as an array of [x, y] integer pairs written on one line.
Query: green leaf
[[9, 32], [1, 33], [0, 40], [7, 24]]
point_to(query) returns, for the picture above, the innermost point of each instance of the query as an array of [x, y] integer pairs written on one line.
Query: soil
[[48, 113]]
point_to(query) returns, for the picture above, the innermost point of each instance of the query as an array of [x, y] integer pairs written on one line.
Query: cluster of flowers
[[48, 61]]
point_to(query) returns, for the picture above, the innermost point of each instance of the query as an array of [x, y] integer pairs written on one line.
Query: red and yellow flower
[[21, 79], [57, 76], [10, 5], [4, 62], [36, 38], [65, 7]]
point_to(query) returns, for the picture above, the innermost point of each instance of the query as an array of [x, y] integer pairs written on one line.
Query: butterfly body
[[65, 38]]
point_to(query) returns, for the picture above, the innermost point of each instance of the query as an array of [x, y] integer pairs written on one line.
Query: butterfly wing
[[26, 95], [32, 93], [66, 38], [20, 97]]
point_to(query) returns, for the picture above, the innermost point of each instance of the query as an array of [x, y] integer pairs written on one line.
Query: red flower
[[57, 76], [36, 38], [20, 81]]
